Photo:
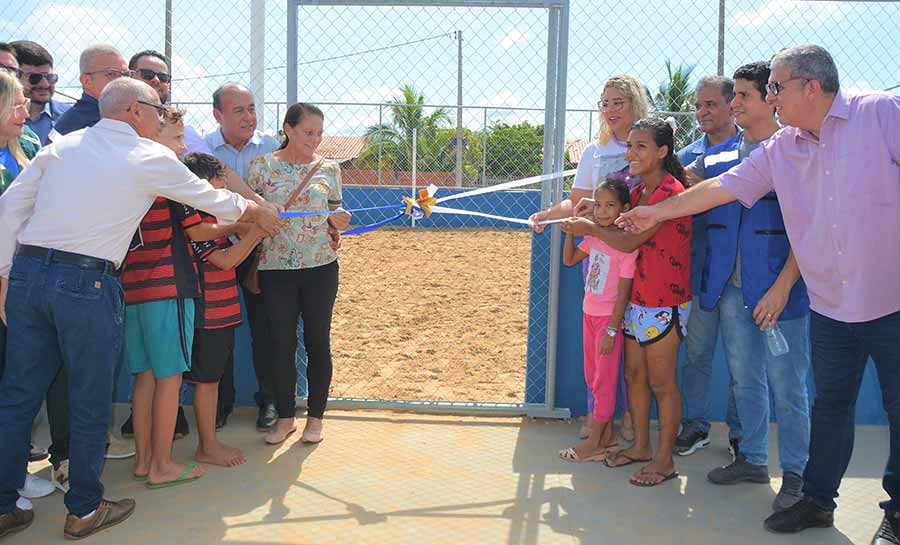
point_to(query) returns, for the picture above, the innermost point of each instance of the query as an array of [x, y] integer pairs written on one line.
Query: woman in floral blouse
[[298, 269]]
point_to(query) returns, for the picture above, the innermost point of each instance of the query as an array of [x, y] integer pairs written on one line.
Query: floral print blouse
[[303, 242]]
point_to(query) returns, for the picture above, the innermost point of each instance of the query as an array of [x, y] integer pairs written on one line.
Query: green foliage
[[677, 94], [515, 150]]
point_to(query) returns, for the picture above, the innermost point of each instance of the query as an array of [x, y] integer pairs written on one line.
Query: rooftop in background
[[341, 148], [576, 149]]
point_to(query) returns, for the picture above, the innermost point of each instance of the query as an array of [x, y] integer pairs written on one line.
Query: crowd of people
[[130, 241]]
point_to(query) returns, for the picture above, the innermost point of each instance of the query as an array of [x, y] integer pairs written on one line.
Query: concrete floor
[[393, 478]]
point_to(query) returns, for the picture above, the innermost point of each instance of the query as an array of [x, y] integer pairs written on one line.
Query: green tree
[[514, 151], [677, 96]]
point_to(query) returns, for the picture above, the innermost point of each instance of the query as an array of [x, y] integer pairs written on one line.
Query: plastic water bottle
[[776, 342]]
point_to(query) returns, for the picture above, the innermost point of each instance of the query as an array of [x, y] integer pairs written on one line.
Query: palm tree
[[676, 96], [395, 139]]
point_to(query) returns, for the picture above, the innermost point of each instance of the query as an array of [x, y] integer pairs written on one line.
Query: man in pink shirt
[[836, 169]]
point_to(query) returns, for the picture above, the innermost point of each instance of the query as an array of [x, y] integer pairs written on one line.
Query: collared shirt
[[839, 195], [85, 113], [239, 161], [87, 192], [193, 142], [48, 117]]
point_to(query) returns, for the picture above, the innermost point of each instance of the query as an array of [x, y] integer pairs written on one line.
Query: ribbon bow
[[425, 202]]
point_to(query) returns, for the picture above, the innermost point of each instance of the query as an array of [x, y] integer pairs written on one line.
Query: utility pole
[[168, 44], [459, 110], [721, 57]]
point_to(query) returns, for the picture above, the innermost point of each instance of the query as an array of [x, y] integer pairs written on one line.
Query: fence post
[[415, 137], [380, 140], [721, 52], [258, 57], [459, 110], [484, 136]]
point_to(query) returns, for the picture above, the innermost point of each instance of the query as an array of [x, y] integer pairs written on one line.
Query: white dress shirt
[[87, 192]]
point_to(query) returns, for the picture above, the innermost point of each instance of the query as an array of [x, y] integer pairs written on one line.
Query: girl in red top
[[656, 317]]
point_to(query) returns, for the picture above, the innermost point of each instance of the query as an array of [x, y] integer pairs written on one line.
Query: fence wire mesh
[[471, 80]]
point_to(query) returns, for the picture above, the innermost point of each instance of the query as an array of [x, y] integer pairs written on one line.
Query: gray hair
[[121, 93], [724, 84], [89, 55], [217, 94], [811, 62]]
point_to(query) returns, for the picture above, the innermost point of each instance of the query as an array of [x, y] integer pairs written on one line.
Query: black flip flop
[[630, 461], [668, 477]]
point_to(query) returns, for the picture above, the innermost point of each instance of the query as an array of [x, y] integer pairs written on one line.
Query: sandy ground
[[432, 315]]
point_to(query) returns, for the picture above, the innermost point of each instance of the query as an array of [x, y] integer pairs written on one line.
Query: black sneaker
[[734, 448], [800, 516], [888, 531], [127, 428], [181, 424], [740, 471], [690, 440]]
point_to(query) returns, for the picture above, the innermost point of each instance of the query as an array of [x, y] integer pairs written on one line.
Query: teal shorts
[[159, 337]]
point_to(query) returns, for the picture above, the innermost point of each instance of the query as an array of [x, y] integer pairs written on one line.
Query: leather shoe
[[800, 516], [889, 530], [16, 521], [108, 513], [267, 418]]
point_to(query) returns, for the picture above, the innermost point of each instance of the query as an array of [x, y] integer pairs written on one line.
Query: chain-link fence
[[473, 82]]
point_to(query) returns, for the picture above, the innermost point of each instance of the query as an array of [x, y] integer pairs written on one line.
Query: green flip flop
[[181, 479], [139, 478]]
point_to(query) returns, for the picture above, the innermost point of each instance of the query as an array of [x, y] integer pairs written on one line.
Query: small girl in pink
[[607, 289]]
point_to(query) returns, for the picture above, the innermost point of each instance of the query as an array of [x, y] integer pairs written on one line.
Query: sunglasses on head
[[35, 78], [146, 74]]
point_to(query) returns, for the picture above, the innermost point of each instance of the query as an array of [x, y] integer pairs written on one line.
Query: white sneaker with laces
[[35, 487], [119, 449], [60, 476]]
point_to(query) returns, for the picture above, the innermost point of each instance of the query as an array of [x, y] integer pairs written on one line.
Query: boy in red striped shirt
[[218, 312]]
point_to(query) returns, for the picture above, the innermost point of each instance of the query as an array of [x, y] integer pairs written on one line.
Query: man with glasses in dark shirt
[[39, 81], [99, 65]]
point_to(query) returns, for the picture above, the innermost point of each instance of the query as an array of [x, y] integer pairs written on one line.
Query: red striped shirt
[[220, 304], [162, 267]]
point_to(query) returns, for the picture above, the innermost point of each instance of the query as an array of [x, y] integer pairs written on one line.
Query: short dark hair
[[296, 113], [725, 85], [618, 187], [32, 53], [9, 49], [148, 53], [757, 72], [204, 166]]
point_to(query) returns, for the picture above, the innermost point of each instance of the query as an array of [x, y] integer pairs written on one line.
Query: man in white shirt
[[73, 211]]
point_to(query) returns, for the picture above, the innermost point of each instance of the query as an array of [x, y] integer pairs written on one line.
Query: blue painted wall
[[570, 388]]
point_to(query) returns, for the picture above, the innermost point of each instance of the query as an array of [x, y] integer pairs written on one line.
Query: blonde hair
[[633, 91], [10, 87]]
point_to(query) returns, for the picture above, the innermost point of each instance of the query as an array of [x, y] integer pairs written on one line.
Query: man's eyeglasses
[[160, 110], [147, 75], [12, 70], [611, 105], [776, 87], [112, 73], [34, 78]]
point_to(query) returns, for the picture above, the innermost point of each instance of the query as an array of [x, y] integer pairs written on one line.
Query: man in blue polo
[[39, 81], [716, 120], [99, 65], [750, 279]]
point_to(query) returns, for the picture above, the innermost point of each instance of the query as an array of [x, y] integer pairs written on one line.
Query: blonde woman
[[622, 102]]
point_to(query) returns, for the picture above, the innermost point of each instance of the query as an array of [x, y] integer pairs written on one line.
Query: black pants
[[288, 295]]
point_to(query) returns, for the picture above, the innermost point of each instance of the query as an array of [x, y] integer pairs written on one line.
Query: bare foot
[[220, 455], [141, 467], [280, 431], [172, 472], [313, 431]]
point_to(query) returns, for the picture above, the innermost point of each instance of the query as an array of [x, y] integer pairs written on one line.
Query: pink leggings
[[601, 371]]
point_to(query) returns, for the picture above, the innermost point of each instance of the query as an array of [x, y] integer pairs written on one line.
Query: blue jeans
[[696, 371], [60, 315], [840, 351], [755, 371]]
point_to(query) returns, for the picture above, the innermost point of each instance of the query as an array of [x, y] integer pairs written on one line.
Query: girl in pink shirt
[[607, 289]]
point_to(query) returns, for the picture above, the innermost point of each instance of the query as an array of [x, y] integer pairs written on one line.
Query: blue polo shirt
[[85, 113], [46, 120], [259, 144]]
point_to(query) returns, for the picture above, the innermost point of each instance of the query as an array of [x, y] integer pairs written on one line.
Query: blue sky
[[504, 50]]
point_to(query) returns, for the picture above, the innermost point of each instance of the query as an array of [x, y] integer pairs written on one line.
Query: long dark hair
[[663, 135], [295, 114]]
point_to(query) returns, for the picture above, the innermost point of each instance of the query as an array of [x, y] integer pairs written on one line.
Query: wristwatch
[[611, 331]]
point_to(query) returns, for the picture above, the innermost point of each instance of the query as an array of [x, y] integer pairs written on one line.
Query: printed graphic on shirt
[[598, 271]]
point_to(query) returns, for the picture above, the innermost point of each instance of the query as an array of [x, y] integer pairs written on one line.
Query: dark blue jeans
[[59, 315], [839, 354]]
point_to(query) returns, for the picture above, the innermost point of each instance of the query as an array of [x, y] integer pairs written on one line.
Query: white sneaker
[[119, 449], [35, 487], [60, 476]]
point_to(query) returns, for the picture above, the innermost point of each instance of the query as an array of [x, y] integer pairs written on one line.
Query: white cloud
[[512, 38], [786, 11]]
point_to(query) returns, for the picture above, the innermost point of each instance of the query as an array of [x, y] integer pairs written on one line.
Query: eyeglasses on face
[[34, 78], [21, 107], [147, 75], [160, 110], [112, 73], [12, 70], [611, 105], [776, 87]]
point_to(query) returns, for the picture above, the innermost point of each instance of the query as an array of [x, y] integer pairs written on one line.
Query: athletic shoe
[[740, 471], [888, 531], [791, 491], [60, 476], [35, 487], [119, 449], [690, 440], [734, 448], [800, 516]]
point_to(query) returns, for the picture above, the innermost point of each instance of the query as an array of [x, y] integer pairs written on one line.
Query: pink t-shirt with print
[[605, 266]]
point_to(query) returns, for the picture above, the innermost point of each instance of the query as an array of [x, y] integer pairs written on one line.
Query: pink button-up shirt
[[840, 198]]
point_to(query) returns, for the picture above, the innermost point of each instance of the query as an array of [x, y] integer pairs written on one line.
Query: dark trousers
[[288, 295], [60, 315], [839, 354]]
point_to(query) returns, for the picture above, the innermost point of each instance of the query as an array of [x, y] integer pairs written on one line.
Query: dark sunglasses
[[35, 78], [146, 74], [12, 70]]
